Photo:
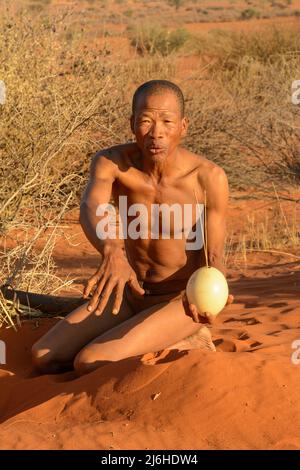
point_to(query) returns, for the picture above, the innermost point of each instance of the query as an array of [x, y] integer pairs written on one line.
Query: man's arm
[[115, 270], [103, 173], [217, 196]]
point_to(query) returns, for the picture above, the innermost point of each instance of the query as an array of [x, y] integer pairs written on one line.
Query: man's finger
[[230, 299], [194, 313], [97, 294], [207, 318], [135, 287], [89, 285], [104, 297], [118, 298], [186, 305], [93, 281]]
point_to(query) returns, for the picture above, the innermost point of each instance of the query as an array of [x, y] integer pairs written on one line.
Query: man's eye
[[166, 120], [145, 120]]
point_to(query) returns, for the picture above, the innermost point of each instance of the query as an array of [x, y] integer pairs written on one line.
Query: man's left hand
[[206, 317]]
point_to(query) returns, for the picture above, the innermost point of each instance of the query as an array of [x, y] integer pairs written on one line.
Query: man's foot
[[199, 340]]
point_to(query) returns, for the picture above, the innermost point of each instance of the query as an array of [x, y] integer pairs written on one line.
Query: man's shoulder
[[213, 179], [116, 154], [206, 169]]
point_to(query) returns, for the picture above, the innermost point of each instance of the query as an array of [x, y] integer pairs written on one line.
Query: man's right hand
[[114, 272]]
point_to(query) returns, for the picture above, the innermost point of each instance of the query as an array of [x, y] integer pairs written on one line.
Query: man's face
[[158, 125]]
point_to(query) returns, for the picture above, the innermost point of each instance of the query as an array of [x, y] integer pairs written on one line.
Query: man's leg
[[151, 330], [56, 350]]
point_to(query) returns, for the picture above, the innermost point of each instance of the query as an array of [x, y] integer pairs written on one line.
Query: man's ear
[[132, 123], [184, 126]]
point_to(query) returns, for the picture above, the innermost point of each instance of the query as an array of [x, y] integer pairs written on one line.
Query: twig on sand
[[38, 304]]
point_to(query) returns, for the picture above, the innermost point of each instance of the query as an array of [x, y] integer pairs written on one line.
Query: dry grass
[[241, 112], [277, 232], [152, 39], [56, 102], [28, 267], [265, 46]]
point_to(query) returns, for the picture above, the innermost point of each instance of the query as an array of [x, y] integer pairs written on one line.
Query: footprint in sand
[[273, 333], [287, 310], [248, 321], [243, 336], [278, 305], [251, 304], [225, 345], [256, 344]]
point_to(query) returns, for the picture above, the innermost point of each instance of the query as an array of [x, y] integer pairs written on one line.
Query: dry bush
[[249, 13], [265, 46], [62, 104], [243, 118], [153, 39], [29, 267]]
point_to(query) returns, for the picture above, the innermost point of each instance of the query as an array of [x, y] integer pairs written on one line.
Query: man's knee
[[44, 359], [89, 359], [41, 356]]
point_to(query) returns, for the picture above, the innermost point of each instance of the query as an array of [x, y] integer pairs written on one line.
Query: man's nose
[[156, 130]]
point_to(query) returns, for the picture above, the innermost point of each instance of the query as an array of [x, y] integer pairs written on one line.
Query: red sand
[[243, 396]]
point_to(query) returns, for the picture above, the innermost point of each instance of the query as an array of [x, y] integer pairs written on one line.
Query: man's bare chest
[[166, 210], [140, 189]]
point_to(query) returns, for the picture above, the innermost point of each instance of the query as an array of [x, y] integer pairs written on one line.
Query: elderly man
[[136, 300]]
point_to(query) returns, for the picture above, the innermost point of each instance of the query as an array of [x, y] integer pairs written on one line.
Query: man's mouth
[[155, 149]]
